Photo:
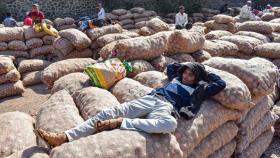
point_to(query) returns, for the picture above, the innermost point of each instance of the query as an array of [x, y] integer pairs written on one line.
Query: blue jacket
[[180, 95]]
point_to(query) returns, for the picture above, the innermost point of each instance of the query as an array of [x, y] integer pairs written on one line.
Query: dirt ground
[[30, 102]]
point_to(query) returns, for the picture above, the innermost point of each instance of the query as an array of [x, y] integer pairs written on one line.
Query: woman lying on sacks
[[154, 113]]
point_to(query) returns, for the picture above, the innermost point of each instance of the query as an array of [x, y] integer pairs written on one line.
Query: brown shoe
[[52, 139], [108, 124]]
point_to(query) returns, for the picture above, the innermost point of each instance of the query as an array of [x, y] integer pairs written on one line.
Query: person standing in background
[[36, 15], [101, 15], [10, 21]]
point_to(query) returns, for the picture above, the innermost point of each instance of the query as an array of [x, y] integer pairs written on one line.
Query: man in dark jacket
[[190, 85]]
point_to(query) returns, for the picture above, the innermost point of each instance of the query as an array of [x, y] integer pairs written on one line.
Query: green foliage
[[192, 6], [168, 6]]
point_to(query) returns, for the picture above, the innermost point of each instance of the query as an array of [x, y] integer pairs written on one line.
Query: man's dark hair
[[8, 14], [181, 7]]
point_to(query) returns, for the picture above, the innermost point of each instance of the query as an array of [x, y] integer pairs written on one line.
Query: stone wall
[[52, 8], [78, 8]]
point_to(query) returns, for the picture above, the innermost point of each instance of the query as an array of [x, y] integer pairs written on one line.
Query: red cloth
[[28, 21], [37, 16]]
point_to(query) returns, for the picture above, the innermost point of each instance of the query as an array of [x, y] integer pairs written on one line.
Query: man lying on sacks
[[154, 113]]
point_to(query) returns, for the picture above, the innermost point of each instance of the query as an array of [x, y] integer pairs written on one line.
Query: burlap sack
[[71, 83], [263, 38], [69, 21], [34, 43], [58, 113], [137, 10], [63, 45], [277, 20], [11, 76], [44, 50], [158, 25], [3, 46], [223, 19], [137, 20], [106, 51], [11, 89], [93, 34], [65, 27], [111, 16], [29, 32], [181, 58], [86, 53], [201, 56], [245, 44], [153, 79], [236, 95], [276, 27], [120, 143], [11, 33], [131, 34], [139, 48], [215, 140], [6, 65], [181, 41], [146, 31], [126, 22], [258, 147], [211, 116], [16, 54], [93, 100], [32, 78], [16, 132], [275, 95], [141, 24], [119, 12], [161, 62], [31, 152], [225, 152], [128, 15], [58, 22], [263, 125], [79, 40], [268, 50], [276, 39], [255, 115], [150, 13], [128, 89], [220, 48], [216, 26], [106, 39], [139, 66], [256, 26], [268, 16], [258, 74], [17, 45], [32, 65], [138, 16], [56, 70], [276, 62], [40, 57], [217, 34], [128, 26]]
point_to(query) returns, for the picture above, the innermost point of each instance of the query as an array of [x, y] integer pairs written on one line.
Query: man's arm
[[215, 86]]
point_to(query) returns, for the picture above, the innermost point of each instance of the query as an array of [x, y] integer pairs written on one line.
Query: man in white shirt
[[246, 13], [101, 15], [181, 20]]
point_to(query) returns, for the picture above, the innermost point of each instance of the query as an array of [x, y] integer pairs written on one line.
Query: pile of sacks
[[25, 43], [209, 13], [221, 22], [63, 24], [276, 110], [241, 110], [131, 19], [72, 43], [256, 124], [31, 70], [10, 83]]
